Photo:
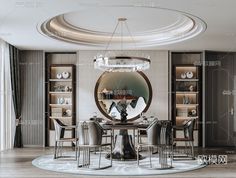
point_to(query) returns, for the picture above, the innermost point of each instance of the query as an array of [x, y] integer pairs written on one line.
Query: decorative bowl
[[189, 74], [183, 75], [59, 76], [194, 112], [65, 75]]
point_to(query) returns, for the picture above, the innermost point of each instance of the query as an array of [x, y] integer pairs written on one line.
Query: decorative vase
[[191, 88], [66, 88]]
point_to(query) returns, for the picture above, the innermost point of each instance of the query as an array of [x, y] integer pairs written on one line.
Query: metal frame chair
[[188, 129], [160, 136], [106, 132], [142, 133], [90, 136], [59, 138]]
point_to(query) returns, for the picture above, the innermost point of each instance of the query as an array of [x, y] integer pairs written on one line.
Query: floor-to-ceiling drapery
[[16, 93], [7, 115]]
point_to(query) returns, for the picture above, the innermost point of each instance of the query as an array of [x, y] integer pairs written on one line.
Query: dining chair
[[142, 134], [60, 139], [188, 137], [106, 132], [90, 136], [160, 136]]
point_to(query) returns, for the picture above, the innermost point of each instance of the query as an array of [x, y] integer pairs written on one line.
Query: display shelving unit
[[186, 94], [60, 98]]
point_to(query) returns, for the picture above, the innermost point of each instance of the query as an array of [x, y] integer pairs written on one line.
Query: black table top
[[128, 125]]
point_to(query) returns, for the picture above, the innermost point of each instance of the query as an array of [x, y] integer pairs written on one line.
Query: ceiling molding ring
[[164, 26]]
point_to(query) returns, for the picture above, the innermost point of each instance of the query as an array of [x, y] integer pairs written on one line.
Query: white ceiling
[[20, 20], [76, 27]]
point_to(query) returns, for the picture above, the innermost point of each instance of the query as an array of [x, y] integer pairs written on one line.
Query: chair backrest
[[90, 133], [188, 129], [83, 133], [59, 131], [159, 133], [95, 133]]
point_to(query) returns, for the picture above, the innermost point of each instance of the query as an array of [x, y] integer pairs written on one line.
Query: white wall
[[87, 77]]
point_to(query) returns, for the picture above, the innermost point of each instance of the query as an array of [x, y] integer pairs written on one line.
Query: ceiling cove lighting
[[122, 62]]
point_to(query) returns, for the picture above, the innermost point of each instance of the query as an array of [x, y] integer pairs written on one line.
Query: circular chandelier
[[121, 63]]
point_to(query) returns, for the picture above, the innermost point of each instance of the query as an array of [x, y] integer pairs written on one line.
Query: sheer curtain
[[7, 115]]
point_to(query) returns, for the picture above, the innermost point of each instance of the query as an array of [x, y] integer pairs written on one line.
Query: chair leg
[[171, 155], [55, 150], [78, 156], [58, 149], [83, 162], [89, 156], [100, 155], [138, 156], [76, 150], [160, 156], [150, 156], [111, 154], [186, 148], [192, 149], [61, 148]]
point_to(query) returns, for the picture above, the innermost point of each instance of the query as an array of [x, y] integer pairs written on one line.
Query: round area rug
[[119, 168]]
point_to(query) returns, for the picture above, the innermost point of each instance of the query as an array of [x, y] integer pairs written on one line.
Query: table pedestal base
[[124, 149]]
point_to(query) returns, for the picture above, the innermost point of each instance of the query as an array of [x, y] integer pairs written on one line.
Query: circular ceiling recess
[[147, 26]]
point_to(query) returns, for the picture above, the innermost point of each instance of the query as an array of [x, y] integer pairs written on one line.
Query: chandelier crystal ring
[[122, 63]]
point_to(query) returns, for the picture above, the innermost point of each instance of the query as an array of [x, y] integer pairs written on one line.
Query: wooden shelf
[[58, 105], [54, 117], [186, 92], [187, 80], [187, 117], [186, 105], [60, 80], [59, 92]]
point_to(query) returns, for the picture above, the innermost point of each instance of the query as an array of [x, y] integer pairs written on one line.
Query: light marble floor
[[18, 163]]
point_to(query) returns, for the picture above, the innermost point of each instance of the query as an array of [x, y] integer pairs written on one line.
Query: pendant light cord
[[121, 40], [130, 34], [109, 42], [121, 22]]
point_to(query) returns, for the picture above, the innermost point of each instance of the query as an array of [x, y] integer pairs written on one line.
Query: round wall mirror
[[115, 90]]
